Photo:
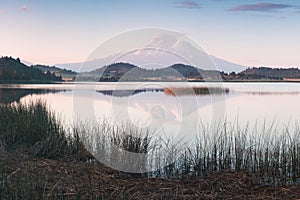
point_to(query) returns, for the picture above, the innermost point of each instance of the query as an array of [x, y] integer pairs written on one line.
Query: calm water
[[147, 105]]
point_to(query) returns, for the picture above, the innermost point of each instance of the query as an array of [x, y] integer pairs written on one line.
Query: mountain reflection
[[173, 91], [127, 93]]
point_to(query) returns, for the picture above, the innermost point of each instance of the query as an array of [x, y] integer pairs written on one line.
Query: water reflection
[[126, 93], [244, 102], [8, 95]]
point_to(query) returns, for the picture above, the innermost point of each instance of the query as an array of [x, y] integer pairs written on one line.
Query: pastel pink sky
[[250, 34]]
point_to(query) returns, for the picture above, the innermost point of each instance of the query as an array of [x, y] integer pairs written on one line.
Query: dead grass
[[31, 178]]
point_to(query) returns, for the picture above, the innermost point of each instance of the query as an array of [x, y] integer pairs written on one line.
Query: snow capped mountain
[[164, 49]]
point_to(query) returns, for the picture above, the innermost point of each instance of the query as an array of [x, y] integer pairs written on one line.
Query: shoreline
[[154, 81]]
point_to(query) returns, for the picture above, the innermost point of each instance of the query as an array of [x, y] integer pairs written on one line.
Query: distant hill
[[278, 73], [64, 73], [264, 74], [182, 72], [113, 72], [14, 70], [129, 72], [185, 70], [116, 68], [46, 68]]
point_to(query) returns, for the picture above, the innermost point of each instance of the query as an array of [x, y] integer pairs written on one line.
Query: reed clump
[[271, 156], [125, 146], [177, 91]]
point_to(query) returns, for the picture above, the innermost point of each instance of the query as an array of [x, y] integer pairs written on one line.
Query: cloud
[[24, 8], [260, 7], [187, 4]]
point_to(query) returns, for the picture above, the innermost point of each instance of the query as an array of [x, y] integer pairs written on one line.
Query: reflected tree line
[[9, 95]]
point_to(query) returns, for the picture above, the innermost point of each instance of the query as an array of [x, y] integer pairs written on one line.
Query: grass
[[33, 127], [31, 134], [272, 157], [126, 145], [264, 152]]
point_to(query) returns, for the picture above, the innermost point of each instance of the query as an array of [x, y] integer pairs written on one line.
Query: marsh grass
[[265, 152], [127, 145], [270, 154]]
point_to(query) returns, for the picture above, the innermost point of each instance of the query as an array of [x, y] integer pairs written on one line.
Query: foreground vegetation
[[40, 159], [35, 129], [271, 156]]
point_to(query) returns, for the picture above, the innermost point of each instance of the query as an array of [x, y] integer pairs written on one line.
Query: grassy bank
[[41, 159]]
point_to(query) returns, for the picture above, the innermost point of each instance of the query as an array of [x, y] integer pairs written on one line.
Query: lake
[[146, 104]]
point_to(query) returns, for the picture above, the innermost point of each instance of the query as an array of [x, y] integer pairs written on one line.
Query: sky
[[249, 33]]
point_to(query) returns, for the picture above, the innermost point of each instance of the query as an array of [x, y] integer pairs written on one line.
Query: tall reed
[[268, 154]]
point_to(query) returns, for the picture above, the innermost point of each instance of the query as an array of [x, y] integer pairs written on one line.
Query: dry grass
[[31, 178]]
